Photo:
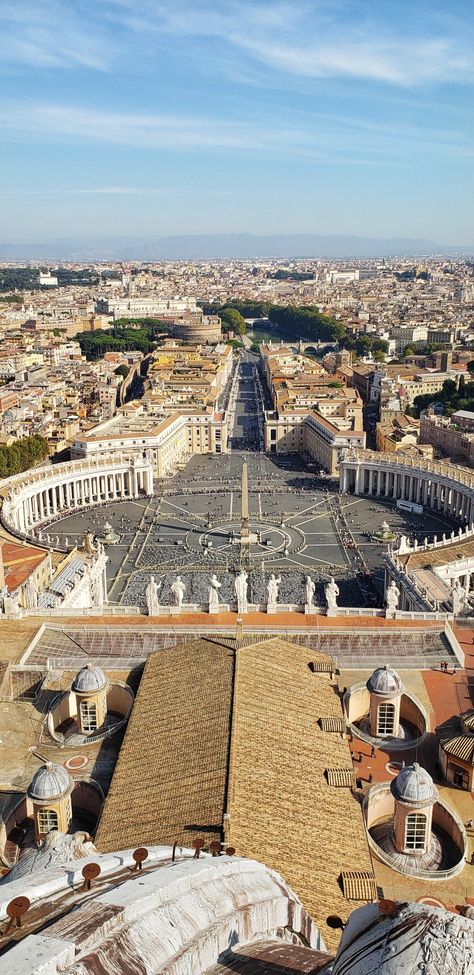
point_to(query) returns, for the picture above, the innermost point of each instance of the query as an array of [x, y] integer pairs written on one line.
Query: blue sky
[[131, 117]]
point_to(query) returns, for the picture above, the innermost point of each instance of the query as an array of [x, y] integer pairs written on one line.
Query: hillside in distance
[[222, 246]]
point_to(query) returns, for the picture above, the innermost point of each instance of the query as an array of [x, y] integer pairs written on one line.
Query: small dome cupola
[[90, 686], [414, 785], [50, 794], [385, 689], [89, 679], [50, 782], [385, 681], [415, 795]]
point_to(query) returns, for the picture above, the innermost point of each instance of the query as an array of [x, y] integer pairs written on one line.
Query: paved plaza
[[301, 521], [301, 524]]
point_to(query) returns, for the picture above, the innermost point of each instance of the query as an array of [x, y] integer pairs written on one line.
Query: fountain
[[109, 537]]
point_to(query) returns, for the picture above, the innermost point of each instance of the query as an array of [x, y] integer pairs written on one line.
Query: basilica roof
[[263, 787]]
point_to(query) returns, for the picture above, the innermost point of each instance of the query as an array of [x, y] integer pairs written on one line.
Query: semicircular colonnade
[[440, 487], [34, 497]]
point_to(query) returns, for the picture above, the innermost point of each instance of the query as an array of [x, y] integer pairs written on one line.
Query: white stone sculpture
[[241, 587], [459, 597], [392, 597], [178, 590], [11, 606], [97, 591], [88, 545], [331, 592], [310, 590], [151, 596], [30, 594], [214, 586], [3, 598], [273, 589]]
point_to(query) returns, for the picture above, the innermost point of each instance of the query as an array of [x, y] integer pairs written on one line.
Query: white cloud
[[314, 39], [52, 34], [330, 137], [299, 39]]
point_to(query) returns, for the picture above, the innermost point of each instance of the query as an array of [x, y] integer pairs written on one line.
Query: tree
[[22, 455], [449, 389], [122, 370], [234, 320], [363, 345], [470, 366]]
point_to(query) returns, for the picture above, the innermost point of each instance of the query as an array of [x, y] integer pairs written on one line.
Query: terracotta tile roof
[[282, 809], [19, 562], [457, 740], [460, 549], [170, 779]]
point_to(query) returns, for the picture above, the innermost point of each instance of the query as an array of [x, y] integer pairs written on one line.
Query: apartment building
[[451, 436]]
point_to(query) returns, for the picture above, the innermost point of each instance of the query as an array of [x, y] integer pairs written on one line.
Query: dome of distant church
[[414, 784], [49, 782], [89, 678], [384, 681]]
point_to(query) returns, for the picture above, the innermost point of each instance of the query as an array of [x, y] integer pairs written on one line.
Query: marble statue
[[97, 592], [392, 597], [3, 598], [30, 594], [459, 597], [310, 590], [331, 592], [241, 588], [178, 590], [151, 596], [273, 589], [88, 545], [214, 586]]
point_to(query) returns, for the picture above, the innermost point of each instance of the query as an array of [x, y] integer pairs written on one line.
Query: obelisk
[[244, 528]]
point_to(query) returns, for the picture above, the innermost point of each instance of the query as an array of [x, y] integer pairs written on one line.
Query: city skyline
[[332, 118]]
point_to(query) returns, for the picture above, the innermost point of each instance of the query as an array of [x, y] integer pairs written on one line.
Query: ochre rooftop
[[281, 808], [169, 783], [173, 780]]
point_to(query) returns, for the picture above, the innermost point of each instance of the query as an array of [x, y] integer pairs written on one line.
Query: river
[[265, 334]]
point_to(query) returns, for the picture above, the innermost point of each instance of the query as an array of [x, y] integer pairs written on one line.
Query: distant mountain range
[[223, 246]]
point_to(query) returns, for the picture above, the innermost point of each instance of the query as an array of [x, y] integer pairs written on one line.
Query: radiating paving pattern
[[303, 525]]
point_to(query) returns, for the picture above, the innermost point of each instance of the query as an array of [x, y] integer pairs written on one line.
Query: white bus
[[412, 506]]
